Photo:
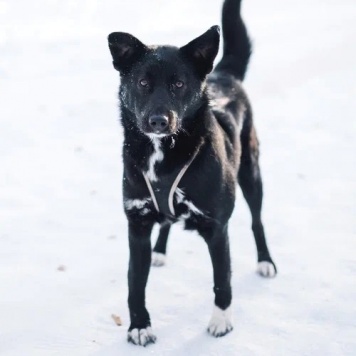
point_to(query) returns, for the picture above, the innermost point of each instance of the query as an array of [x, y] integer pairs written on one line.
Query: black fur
[[166, 91], [237, 45]]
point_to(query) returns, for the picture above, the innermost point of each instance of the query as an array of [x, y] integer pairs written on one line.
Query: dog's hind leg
[[249, 178], [160, 249]]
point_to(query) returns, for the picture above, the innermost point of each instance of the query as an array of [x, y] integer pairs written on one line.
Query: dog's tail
[[237, 45]]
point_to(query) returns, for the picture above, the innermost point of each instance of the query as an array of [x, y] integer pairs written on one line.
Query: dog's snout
[[158, 123]]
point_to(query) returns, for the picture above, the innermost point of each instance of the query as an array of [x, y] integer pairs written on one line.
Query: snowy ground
[[60, 187]]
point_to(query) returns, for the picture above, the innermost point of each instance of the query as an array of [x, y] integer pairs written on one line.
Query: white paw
[[141, 337], [220, 323], [266, 269], [158, 259]]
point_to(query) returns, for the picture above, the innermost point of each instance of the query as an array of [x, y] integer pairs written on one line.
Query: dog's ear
[[125, 50], [203, 50]]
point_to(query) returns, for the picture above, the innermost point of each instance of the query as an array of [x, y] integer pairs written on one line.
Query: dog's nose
[[158, 123]]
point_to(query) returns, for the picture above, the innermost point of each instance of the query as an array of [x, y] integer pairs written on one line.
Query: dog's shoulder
[[228, 98]]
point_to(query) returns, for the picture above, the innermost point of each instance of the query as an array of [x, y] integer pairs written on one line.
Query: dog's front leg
[[218, 243], [140, 332]]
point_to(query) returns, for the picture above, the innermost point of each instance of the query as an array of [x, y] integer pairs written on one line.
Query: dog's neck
[[163, 154]]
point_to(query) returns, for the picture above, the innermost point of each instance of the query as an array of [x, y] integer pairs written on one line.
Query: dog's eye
[[144, 83], [179, 84]]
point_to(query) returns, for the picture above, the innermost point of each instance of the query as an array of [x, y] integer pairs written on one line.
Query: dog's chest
[[165, 197], [184, 208], [154, 159]]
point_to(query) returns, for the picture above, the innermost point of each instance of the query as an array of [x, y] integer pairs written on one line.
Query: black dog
[[188, 140]]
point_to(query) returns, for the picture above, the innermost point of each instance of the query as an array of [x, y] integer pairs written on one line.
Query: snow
[[63, 236]]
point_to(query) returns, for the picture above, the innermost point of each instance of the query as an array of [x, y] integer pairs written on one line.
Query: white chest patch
[[192, 209], [157, 156], [139, 204]]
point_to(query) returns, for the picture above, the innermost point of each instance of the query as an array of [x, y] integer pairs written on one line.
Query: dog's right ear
[[125, 50]]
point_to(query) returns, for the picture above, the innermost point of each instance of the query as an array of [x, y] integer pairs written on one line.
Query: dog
[[188, 139]]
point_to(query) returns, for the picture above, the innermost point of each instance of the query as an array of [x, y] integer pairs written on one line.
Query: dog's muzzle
[[159, 124]]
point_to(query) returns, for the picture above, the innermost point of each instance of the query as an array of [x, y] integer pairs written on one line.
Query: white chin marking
[[155, 135], [141, 337], [220, 323], [266, 269], [158, 259]]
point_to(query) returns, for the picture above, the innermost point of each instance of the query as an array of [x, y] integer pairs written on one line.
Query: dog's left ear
[[203, 50], [125, 50]]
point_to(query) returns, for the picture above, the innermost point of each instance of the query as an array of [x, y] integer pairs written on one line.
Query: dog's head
[[162, 86]]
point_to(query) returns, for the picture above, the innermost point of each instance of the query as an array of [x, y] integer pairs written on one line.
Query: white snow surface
[[63, 233]]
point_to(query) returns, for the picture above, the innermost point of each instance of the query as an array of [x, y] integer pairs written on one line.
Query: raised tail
[[237, 45]]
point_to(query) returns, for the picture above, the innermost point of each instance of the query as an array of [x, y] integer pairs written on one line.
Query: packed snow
[[63, 233]]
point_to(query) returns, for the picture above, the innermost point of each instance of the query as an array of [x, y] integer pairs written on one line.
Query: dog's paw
[[158, 259], [220, 323], [266, 269], [142, 337]]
